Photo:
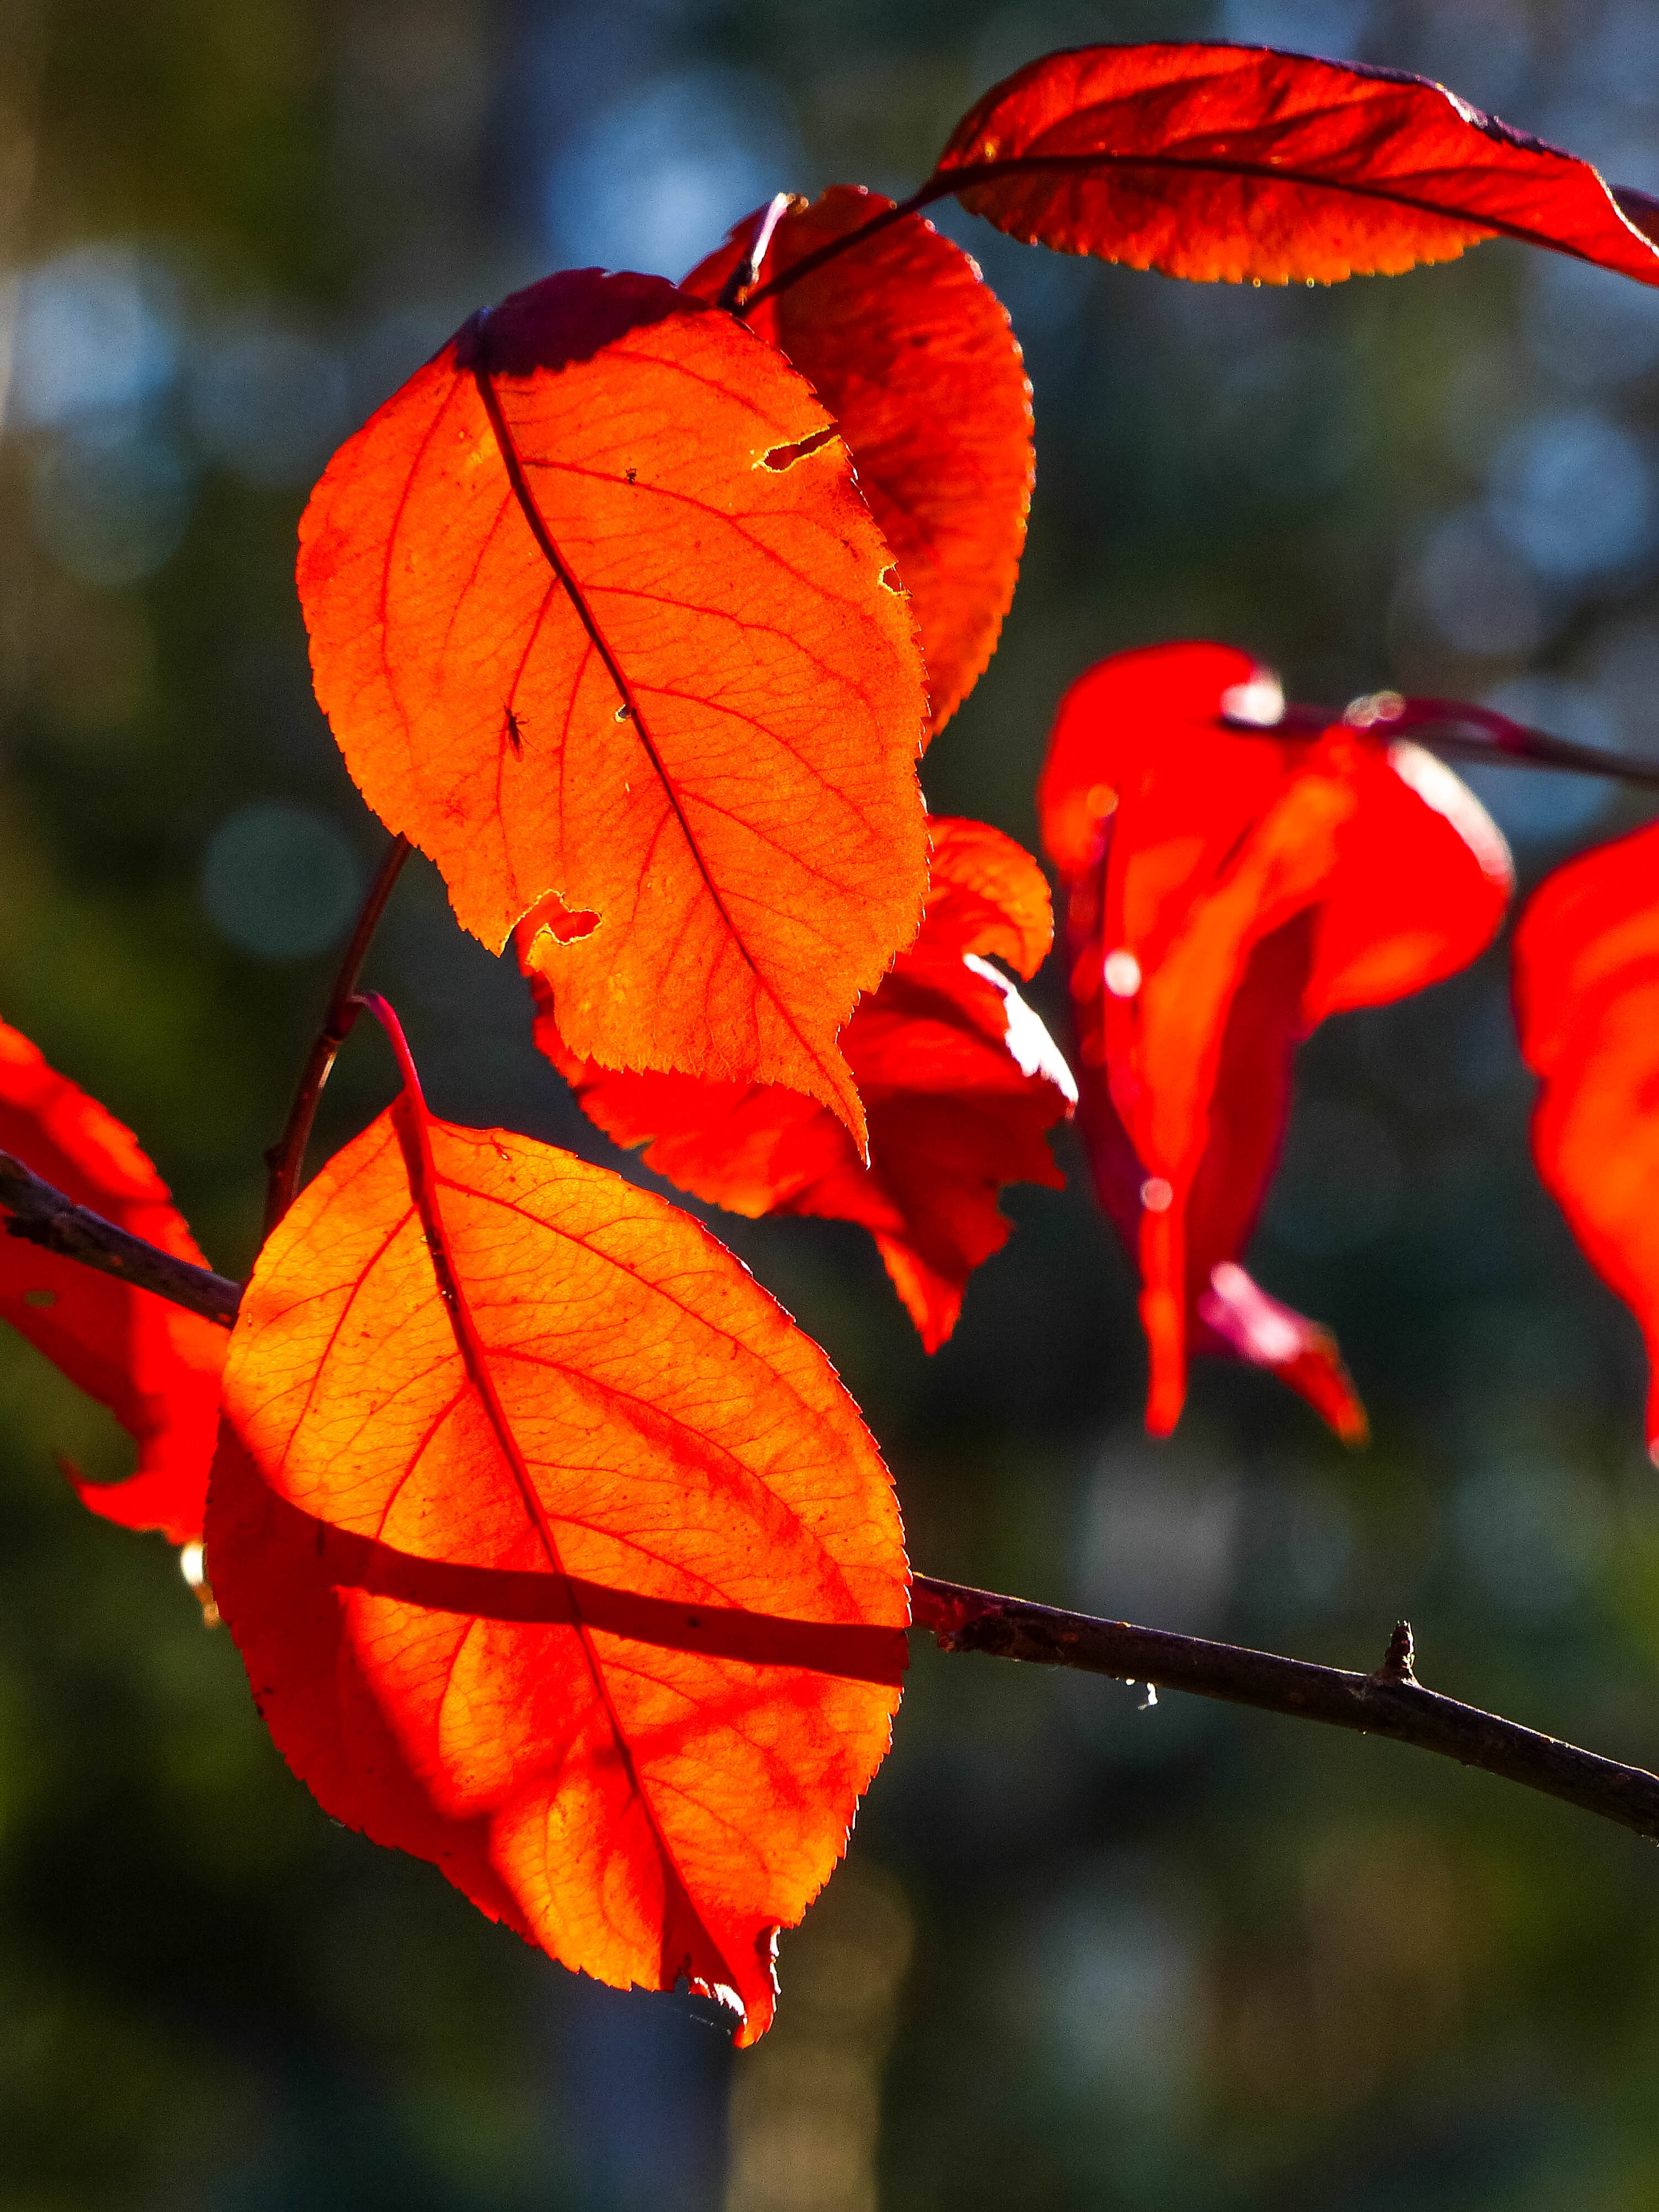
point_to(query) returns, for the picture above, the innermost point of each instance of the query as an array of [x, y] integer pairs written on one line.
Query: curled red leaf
[[913, 353], [1232, 880]]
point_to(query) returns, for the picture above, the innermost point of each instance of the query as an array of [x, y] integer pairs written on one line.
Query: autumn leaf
[[1586, 999], [960, 1079], [1233, 878], [1240, 163], [154, 1367], [556, 1553], [913, 353], [598, 617]]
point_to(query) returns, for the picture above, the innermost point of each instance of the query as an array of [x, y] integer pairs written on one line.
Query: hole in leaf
[[550, 916], [784, 457], [890, 578]]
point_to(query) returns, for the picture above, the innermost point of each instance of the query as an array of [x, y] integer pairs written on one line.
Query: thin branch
[[1391, 1702], [286, 1159], [44, 1216]]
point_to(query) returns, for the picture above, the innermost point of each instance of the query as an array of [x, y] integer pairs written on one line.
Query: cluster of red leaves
[[1232, 881], [556, 1553]]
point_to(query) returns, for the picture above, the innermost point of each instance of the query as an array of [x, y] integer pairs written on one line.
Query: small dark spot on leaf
[[624, 712], [40, 1298], [632, 474]]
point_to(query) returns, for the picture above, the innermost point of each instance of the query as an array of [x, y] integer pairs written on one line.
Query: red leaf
[[1229, 888], [958, 1077], [1587, 998], [1126, 708], [154, 1365], [597, 612], [556, 1553], [1238, 162], [913, 353]]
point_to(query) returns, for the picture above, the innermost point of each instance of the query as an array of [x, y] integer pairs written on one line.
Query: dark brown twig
[[44, 1216], [1390, 1703], [286, 1159]]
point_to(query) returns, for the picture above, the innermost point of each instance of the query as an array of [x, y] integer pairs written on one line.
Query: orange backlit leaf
[[913, 353], [1587, 998], [1233, 879], [556, 1553], [1239, 163], [597, 612], [154, 1365], [960, 1081]]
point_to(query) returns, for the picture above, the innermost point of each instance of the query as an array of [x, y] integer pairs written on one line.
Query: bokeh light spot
[[111, 501], [280, 880]]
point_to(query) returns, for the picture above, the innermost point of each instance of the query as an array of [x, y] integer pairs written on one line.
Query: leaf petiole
[[1480, 733], [286, 1159], [1467, 731]]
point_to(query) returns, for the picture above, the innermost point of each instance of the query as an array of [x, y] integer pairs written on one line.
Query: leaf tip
[[757, 2011]]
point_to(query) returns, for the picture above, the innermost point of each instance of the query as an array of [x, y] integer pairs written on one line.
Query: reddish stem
[[1467, 732], [1479, 734], [944, 184], [286, 1159], [922, 197], [371, 1002]]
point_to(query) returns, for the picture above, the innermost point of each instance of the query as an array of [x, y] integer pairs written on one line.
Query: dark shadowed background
[[1083, 1953]]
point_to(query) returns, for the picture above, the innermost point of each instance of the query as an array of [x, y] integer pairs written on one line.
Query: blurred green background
[[1083, 1953]]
